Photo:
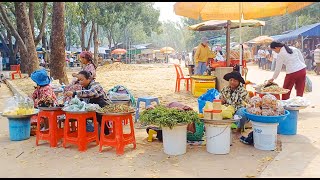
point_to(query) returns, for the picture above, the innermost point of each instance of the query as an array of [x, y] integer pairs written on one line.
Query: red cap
[[217, 100]]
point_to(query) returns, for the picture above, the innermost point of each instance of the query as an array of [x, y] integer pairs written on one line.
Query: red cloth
[[298, 79]]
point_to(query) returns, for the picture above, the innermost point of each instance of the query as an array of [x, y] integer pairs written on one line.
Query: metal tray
[[19, 116], [115, 114], [294, 108], [50, 108]]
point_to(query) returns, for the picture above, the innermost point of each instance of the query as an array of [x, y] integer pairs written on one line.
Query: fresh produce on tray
[[75, 105], [268, 105], [19, 106], [117, 108]]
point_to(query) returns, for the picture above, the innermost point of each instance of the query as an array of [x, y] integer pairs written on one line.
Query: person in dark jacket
[[91, 92]]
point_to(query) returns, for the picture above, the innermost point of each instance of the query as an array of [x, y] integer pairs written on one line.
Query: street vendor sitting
[[87, 60], [91, 92], [43, 95], [235, 95]]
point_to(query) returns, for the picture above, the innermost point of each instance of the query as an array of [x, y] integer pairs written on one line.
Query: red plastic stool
[[117, 138], [80, 137], [54, 133]]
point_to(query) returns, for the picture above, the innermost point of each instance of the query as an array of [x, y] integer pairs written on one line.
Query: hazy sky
[[166, 11]]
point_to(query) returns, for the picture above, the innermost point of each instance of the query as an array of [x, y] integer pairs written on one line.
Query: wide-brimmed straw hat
[[40, 77], [235, 75]]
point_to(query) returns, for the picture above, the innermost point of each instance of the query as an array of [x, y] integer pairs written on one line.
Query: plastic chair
[[180, 77], [18, 71], [148, 100], [80, 137], [117, 138], [54, 134]]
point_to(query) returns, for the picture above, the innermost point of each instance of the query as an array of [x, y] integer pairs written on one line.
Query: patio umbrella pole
[[228, 42], [240, 40]]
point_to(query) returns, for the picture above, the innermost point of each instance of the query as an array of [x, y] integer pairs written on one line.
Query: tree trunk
[[43, 24], [90, 37], [95, 40], [29, 59], [83, 29], [58, 44], [31, 16]]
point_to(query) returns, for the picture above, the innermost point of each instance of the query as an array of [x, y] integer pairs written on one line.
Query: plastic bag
[[210, 95], [308, 86]]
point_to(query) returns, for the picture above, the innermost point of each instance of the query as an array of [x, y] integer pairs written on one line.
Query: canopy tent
[[222, 24], [101, 50], [309, 30]]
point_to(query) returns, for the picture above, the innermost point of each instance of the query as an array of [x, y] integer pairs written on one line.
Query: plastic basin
[[266, 119]]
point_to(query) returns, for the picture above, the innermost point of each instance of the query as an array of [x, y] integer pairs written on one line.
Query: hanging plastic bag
[[308, 86]]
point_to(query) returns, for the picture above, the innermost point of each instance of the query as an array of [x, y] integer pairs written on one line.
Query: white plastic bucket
[[265, 135], [175, 140], [218, 138]]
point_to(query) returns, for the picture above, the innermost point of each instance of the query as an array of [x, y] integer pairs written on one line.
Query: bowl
[[265, 119]]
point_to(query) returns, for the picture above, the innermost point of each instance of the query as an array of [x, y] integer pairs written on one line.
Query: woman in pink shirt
[[293, 59]]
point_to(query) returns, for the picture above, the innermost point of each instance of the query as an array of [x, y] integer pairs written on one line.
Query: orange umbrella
[[119, 51], [167, 50]]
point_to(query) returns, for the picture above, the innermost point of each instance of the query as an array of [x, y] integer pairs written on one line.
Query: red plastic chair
[[17, 68], [117, 138], [180, 77], [54, 133], [80, 137]]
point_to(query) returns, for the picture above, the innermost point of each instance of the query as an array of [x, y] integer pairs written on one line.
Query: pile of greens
[[168, 117]]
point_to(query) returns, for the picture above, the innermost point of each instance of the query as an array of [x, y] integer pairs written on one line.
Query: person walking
[[201, 56], [295, 68], [317, 59], [274, 60]]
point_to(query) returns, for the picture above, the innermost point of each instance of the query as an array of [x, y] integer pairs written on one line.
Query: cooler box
[[201, 84]]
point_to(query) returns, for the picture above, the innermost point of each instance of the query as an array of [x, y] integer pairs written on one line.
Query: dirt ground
[[148, 159]]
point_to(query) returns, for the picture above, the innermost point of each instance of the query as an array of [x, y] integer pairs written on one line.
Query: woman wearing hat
[[235, 95], [43, 94], [87, 60]]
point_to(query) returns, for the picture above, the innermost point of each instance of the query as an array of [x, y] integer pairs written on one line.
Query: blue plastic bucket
[[289, 125], [19, 128]]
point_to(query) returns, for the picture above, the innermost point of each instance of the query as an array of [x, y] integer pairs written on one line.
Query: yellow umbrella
[[261, 40], [167, 50], [231, 10]]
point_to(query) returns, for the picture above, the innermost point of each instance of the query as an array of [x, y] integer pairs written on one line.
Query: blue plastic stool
[[147, 100], [289, 125]]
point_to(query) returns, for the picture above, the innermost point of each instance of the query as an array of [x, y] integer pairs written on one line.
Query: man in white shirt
[[317, 59], [274, 58], [71, 60], [263, 53]]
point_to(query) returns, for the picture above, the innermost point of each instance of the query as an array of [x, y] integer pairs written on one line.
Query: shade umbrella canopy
[[238, 45], [221, 24], [261, 40], [119, 51], [167, 50], [230, 10]]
